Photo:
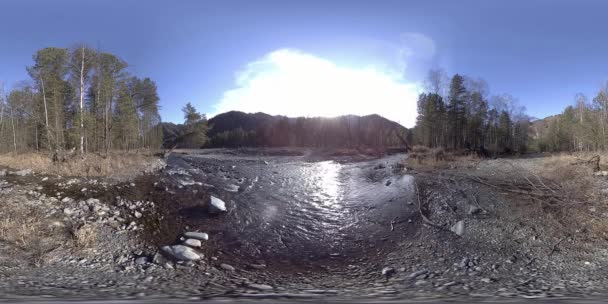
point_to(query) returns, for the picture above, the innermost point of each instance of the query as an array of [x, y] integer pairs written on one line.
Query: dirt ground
[[96, 238]]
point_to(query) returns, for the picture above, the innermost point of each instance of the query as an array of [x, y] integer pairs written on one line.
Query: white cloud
[[293, 83]]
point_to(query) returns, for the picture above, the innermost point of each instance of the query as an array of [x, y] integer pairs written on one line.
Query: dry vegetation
[[114, 164], [424, 158], [26, 230]]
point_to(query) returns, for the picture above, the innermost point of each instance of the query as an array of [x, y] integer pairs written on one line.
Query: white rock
[[68, 211], [216, 205], [458, 228], [137, 214], [44, 179], [227, 267], [23, 172], [66, 200], [388, 271], [2, 172], [260, 287], [193, 243], [231, 188], [197, 236], [181, 252]]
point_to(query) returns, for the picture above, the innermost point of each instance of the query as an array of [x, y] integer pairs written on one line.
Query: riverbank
[[296, 228]]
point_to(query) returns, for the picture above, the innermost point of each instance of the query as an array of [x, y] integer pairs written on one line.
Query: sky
[[324, 57]]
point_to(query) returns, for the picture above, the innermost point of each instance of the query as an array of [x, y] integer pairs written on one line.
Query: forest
[[79, 99], [457, 114]]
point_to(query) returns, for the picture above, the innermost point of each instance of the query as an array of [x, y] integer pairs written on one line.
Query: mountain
[[237, 129]]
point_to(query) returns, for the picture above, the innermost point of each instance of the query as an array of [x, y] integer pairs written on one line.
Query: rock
[[260, 287], [137, 214], [92, 201], [141, 260], [66, 200], [601, 173], [388, 271], [416, 274], [181, 253], [197, 236], [388, 182], [227, 267], [23, 172], [458, 228], [257, 266], [44, 179], [216, 205], [231, 188], [68, 211], [2, 172], [474, 210], [193, 243]]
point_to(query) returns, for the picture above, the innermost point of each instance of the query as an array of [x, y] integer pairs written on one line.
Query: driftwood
[[593, 162]]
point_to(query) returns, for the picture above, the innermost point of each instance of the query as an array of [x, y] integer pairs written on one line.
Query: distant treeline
[[582, 127], [461, 116], [82, 99]]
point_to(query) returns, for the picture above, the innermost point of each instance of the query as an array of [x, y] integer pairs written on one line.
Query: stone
[[388, 271], [2, 172], [232, 188], [193, 243], [66, 200], [416, 274], [474, 210], [23, 172], [388, 182], [181, 253], [68, 211], [197, 236], [44, 179], [137, 214], [141, 260], [260, 287], [458, 228], [227, 267], [216, 205]]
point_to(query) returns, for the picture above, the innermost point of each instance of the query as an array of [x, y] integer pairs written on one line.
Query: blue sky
[[542, 52]]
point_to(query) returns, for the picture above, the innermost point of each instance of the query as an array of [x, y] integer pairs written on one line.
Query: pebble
[[197, 236], [193, 243], [388, 271], [261, 287], [227, 267]]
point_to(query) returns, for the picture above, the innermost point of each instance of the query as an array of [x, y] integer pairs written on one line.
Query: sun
[[293, 83]]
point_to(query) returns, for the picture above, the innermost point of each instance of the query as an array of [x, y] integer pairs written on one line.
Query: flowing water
[[290, 209]]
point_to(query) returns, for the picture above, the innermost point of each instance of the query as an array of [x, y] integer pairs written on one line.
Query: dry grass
[[26, 230], [84, 236], [89, 165], [424, 158]]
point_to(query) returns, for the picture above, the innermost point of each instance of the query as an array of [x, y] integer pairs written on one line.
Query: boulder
[[197, 236], [193, 243], [181, 253], [216, 205], [458, 228]]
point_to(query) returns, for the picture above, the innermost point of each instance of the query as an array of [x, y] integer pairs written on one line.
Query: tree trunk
[[46, 113], [82, 102], [14, 135]]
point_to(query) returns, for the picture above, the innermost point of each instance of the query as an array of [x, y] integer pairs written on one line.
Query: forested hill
[[238, 129]]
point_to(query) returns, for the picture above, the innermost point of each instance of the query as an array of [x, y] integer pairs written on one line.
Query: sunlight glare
[[293, 83]]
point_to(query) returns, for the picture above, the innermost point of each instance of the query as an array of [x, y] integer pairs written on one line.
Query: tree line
[[79, 99], [458, 114], [580, 127]]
